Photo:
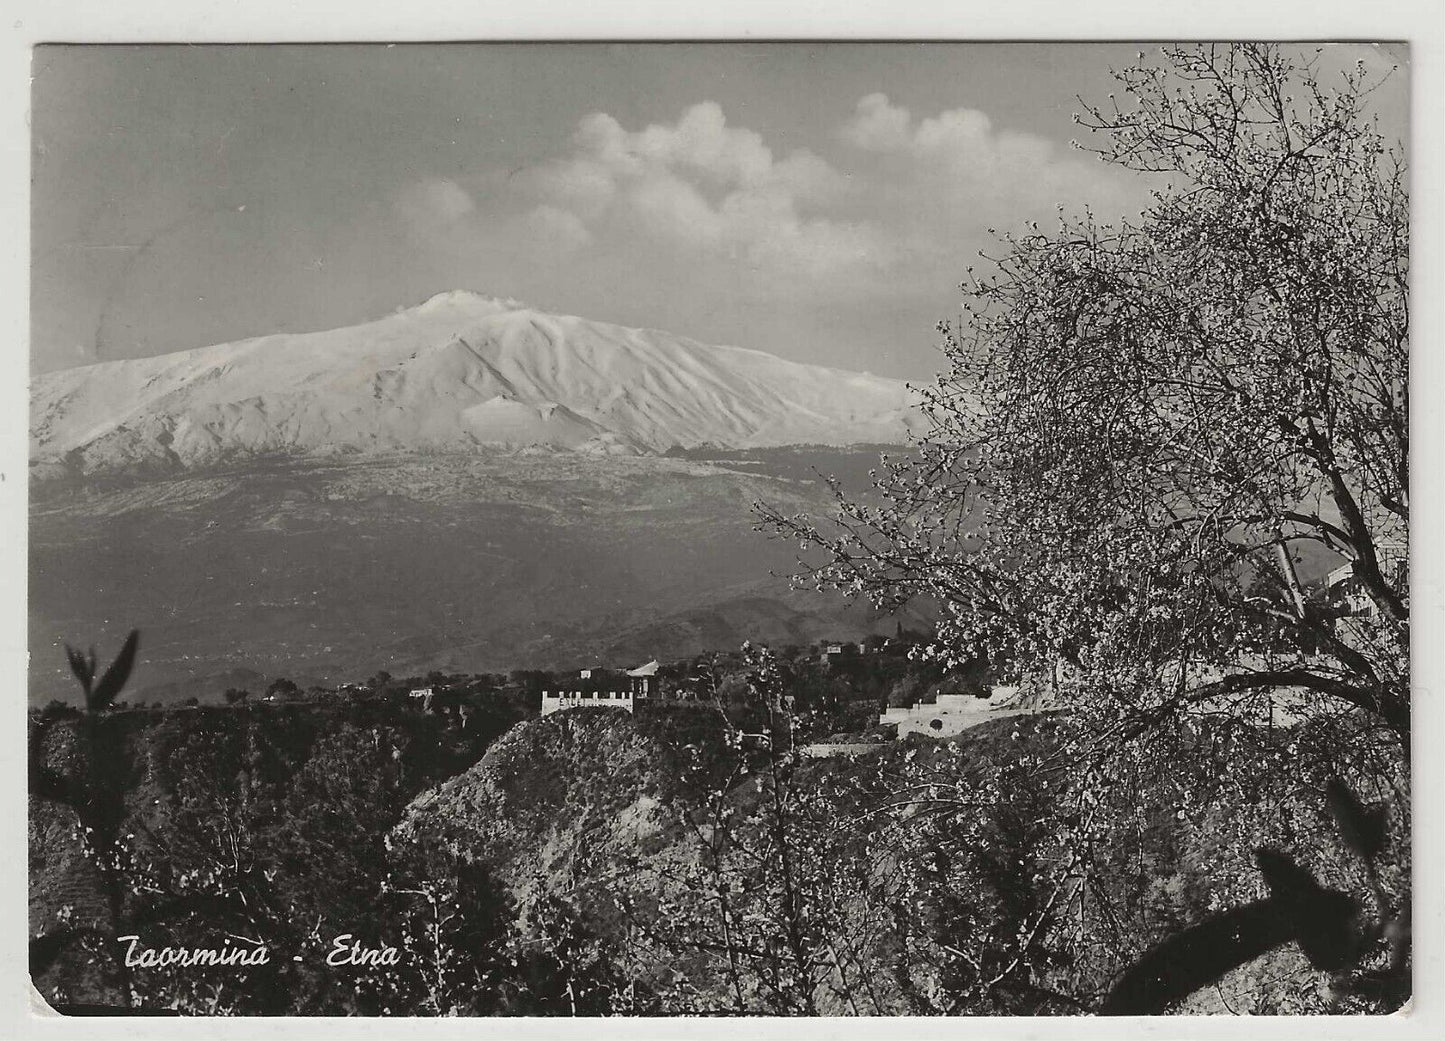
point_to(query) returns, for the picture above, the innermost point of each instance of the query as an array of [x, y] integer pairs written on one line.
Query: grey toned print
[[720, 529]]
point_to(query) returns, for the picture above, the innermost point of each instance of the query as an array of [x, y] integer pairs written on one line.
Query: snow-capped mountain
[[459, 371]]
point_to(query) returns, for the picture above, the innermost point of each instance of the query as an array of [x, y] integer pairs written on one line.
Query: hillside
[[312, 787], [460, 371], [327, 570], [588, 807], [601, 862]]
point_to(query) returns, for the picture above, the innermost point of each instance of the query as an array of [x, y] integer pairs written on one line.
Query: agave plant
[[100, 696], [95, 808]]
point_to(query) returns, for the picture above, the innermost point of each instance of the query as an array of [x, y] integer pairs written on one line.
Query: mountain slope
[[327, 570], [456, 372]]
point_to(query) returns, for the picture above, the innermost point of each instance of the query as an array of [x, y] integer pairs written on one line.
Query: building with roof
[[641, 685], [558, 700], [953, 713], [642, 681], [1348, 593]]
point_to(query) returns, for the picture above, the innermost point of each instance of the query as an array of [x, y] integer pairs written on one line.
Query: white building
[[557, 700], [641, 685], [1348, 592], [951, 713], [642, 681]]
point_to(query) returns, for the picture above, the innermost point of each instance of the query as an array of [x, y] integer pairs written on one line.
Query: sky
[[818, 201]]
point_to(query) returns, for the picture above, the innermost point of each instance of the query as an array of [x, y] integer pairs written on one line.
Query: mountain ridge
[[459, 371]]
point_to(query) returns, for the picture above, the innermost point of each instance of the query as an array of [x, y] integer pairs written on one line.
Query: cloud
[[959, 160], [702, 184], [900, 209], [962, 138], [435, 201], [877, 125], [556, 230], [701, 144], [702, 141], [811, 178], [583, 185], [670, 206]]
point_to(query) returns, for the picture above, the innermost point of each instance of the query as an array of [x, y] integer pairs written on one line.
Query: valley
[[326, 570]]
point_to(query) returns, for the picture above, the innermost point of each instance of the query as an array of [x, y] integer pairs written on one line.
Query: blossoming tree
[[1150, 443], [1144, 432]]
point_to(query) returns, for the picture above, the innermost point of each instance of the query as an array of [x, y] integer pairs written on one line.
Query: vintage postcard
[[754, 529]]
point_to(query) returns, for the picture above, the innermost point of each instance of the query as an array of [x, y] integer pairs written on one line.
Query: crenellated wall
[[557, 700]]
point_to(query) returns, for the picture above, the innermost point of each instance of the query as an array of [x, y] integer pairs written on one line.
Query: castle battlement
[[641, 685], [557, 700]]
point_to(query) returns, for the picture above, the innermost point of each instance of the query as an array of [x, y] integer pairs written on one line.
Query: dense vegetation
[[683, 860], [266, 817], [1140, 431], [265, 823]]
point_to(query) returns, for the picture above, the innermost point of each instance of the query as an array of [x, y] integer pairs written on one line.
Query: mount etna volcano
[[460, 371], [468, 484]]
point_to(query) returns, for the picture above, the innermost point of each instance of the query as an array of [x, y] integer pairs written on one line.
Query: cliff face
[[631, 862], [554, 797], [581, 818], [636, 830], [596, 812]]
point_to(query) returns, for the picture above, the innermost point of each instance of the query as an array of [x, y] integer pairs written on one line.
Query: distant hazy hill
[[457, 372], [331, 569]]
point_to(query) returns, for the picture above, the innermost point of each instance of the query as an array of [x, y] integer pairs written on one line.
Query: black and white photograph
[[745, 528]]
